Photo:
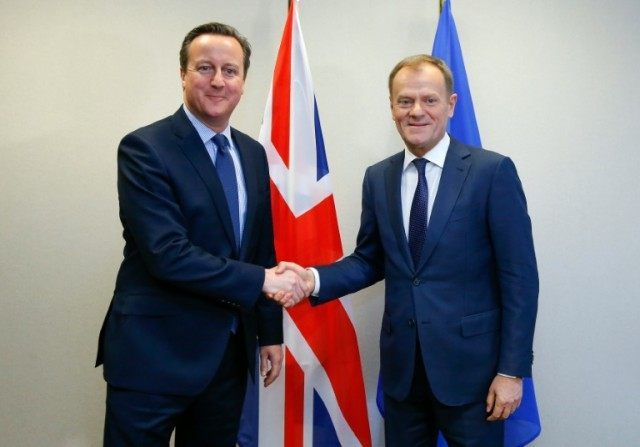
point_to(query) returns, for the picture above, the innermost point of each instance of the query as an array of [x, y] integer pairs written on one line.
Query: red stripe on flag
[[281, 103], [313, 239], [294, 401], [330, 334]]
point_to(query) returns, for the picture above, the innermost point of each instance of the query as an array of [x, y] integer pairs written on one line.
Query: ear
[[182, 75], [453, 99]]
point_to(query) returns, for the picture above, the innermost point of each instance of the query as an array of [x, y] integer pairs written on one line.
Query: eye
[[230, 71], [204, 69], [431, 100], [404, 102]]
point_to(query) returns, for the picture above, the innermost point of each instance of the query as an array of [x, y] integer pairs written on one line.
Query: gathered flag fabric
[[446, 46], [319, 399]]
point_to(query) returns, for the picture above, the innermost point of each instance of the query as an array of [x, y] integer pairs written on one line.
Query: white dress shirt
[[409, 182]]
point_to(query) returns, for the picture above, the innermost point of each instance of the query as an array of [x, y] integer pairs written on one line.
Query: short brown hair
[[421, 59], [219, 29]]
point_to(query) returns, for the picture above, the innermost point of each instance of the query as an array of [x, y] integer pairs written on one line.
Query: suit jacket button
[[412, 322], [416, 281]]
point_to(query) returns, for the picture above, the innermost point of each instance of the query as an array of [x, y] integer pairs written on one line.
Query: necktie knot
[[221, 142], [421, 164]]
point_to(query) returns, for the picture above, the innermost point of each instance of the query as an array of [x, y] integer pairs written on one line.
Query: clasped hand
[[288, 283]]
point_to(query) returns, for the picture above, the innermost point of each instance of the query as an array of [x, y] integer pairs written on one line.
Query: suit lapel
[[393, 178], [193, 148], [249, 169], [454, 173]]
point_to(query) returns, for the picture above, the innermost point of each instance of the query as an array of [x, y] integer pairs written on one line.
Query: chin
[[214, 113], [419, 142]]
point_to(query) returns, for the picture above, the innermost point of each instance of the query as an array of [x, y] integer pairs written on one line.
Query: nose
[[217, 80], [417, 109]]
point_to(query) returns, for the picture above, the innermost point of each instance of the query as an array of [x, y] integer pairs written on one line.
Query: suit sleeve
[[362, 268], [512, 242], [152, 217], [269, 312]]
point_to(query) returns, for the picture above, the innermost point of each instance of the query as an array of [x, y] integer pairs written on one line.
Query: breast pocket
[[458, 215]]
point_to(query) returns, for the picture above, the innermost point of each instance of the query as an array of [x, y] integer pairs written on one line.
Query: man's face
[[421, 107], [214, 79]]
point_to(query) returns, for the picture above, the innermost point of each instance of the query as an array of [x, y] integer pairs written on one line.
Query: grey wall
[[555, 87]]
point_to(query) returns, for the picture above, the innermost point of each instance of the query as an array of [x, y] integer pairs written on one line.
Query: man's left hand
[[270, 363], [504, 397]]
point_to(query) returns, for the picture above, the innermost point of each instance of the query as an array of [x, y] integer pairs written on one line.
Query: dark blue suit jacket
[[472, 300], [182, 279]]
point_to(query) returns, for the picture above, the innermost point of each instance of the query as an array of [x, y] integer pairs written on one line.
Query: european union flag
[[446, 46], [523, 426]]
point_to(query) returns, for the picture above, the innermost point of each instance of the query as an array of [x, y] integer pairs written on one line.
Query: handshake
[[288, 283]]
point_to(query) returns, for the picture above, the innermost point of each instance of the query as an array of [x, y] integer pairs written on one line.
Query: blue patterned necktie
[[418, 216], [227, 174]]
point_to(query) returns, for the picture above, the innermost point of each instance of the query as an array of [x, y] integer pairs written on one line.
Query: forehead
[[425, 77], [215, 46]]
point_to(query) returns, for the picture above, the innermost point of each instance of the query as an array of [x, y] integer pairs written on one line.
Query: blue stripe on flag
[[321, 155], [324, 434], [248, 433]]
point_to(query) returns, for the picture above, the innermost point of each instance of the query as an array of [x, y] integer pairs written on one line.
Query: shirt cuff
[[316, 276], [509, 376]]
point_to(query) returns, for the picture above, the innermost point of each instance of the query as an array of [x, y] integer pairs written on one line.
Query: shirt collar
[[205, 133], [436, 155]]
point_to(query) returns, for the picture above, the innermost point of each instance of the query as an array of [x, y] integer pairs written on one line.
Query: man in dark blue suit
[[446, 226], [189, 303]]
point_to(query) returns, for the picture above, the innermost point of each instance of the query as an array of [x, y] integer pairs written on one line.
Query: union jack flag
[[319, 399]]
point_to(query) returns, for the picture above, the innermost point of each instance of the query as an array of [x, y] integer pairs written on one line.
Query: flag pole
[[441, 4]]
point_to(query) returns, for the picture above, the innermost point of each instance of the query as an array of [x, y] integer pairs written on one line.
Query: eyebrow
[[207, 61]]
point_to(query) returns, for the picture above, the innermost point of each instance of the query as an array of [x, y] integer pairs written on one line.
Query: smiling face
[[213, 81], [421, 106]]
